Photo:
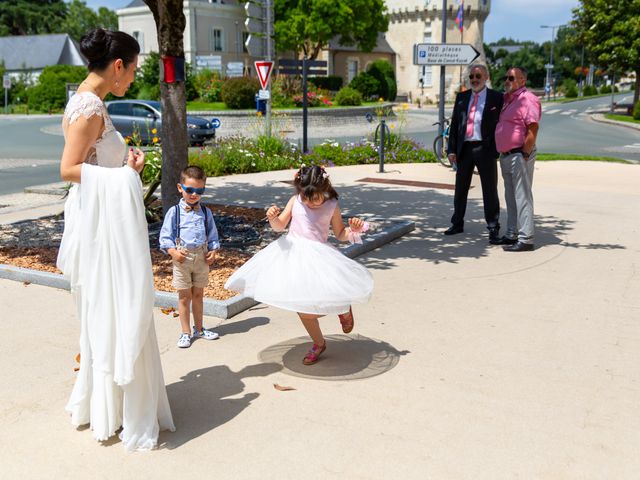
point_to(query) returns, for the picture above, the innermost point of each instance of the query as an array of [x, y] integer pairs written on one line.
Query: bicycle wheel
[[440, 151]]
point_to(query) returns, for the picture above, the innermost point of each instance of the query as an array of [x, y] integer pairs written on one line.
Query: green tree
[[80, 19], [31, 17], [309, 25], [610, 30]]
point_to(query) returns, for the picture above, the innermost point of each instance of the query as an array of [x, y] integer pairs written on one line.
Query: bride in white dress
[[105, 254]]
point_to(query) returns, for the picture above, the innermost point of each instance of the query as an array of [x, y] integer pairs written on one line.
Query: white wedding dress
[[105, 255]]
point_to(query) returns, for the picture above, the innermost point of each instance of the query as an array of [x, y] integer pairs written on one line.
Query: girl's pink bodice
[[312, 223]]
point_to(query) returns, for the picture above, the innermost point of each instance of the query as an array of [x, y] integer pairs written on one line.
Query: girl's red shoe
[[313, 355], [346, 320]]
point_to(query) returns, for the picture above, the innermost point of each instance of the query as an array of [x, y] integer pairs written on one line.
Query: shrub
[[50, 91], [332, 82], [348, 96], [366, 84], [636, 111], [571, 92], [589, 90], [382, 71], [208, 86], [605, 89], [240, 92]]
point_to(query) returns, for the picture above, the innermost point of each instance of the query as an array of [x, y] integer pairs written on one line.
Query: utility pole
[[442, 69]]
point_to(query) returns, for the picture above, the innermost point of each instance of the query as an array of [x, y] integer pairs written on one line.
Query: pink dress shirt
[[521, 108]]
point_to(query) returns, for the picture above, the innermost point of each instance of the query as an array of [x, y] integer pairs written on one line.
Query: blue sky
[[518, 19]]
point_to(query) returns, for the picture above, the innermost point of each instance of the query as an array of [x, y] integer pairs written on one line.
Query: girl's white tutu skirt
[[303, 276]]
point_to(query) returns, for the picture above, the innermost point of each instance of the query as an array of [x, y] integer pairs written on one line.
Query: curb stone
[[215, 308]]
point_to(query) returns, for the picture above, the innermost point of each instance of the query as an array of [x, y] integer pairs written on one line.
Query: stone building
[[420, 21]]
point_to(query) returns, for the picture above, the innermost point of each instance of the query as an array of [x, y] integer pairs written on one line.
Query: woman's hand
[[135, 159], [273, 212], [356, 225]]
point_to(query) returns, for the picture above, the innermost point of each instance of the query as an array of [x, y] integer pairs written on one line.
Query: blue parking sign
[[422, 54]]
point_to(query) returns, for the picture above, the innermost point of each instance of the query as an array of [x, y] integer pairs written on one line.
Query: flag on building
[[460, 16]]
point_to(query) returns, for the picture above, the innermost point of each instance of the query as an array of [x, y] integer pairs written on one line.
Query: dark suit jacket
[[490, 116]]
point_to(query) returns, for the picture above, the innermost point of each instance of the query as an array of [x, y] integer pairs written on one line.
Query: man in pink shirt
[[516, 141]]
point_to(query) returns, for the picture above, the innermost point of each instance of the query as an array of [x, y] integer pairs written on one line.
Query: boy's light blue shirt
[[192, 229]]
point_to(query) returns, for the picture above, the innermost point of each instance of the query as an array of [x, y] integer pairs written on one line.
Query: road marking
[[568, 112], [551, 112]]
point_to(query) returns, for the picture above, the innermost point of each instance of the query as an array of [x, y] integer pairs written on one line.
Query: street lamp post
[[550, 64]]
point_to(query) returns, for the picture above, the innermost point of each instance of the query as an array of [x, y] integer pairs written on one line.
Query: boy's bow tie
[[195, 206]]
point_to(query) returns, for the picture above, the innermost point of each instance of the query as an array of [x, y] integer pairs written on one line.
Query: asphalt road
[[30, 147]]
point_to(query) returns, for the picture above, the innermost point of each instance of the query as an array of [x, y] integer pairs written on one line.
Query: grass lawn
[[203, 106], [621, 118], [572, 156]]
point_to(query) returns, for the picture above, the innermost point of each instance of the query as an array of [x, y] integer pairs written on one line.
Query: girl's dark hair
[[311, 182], [101, 47]]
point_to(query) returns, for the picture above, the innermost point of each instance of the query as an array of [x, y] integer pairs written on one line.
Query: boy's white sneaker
[[184, 341], [206, 334]]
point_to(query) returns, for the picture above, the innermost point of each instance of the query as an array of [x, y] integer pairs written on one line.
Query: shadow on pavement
[[347, 357], [199, 401], [240, 326], [430, 209]]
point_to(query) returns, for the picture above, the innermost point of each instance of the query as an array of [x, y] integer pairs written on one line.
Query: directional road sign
[[444, 54], [264, 72], [215, 122]]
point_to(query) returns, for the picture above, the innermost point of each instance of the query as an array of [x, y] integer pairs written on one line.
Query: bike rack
[[385, 136]]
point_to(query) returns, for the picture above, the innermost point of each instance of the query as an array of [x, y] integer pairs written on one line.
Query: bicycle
[[440, 144]]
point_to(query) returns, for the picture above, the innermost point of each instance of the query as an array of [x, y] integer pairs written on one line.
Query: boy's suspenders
[[206, 222]]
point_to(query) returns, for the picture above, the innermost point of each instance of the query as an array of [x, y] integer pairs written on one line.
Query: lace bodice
[[110, 149]]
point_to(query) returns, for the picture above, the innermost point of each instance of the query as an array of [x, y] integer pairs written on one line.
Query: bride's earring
[[117, 83]]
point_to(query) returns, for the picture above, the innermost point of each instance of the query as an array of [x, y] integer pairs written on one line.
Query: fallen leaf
[[78, 358], [167, 311], [26, 283], [282, 388], [175, 314], [76, 369]]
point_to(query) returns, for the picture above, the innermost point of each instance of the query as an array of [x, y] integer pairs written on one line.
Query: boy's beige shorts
[[194, 271]]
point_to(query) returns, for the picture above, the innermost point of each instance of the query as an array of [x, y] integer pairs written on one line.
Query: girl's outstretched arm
[[342, 232], [279, 220]]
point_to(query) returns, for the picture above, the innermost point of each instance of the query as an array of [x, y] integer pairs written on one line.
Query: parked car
[[143, 116]]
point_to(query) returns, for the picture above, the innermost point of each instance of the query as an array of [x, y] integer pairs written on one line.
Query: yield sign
[[264, 72]]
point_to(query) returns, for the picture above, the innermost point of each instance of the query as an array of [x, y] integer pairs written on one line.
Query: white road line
[[551, 112]]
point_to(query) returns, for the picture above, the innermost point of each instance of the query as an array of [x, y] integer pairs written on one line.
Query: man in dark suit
[[472, 143]]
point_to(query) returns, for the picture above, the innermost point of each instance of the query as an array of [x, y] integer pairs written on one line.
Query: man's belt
[[512, 151]]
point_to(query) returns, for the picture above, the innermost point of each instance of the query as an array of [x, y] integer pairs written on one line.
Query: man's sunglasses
[[192, 190], [477, 76], [511, 78]]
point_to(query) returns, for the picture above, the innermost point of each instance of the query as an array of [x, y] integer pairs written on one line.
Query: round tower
[[420, 21]]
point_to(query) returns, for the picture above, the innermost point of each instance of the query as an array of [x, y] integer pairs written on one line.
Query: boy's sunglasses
[[192, 190], [477, 76], [511, 78]]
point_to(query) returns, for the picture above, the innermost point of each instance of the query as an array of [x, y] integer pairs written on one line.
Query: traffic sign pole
[[269, 20], [442, 75]]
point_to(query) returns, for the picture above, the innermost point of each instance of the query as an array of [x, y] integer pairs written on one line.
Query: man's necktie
[[188, 207], [472, 115]]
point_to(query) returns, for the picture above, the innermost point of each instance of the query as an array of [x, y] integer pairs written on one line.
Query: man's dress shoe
[[453, 229], [519, 247]]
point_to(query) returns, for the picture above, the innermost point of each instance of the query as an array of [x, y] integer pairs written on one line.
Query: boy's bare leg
[[184, 299], [197, 300], [312, 326]]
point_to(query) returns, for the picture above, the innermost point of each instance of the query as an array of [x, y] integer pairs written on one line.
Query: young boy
[[190, 236]]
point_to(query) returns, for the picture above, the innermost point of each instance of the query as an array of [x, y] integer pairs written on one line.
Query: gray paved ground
[[490, 365]]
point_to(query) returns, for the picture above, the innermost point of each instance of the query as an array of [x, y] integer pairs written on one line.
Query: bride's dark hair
[[101, 47]]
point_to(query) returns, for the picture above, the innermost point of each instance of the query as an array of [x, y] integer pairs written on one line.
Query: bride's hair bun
[[100, 47], [95, 44]]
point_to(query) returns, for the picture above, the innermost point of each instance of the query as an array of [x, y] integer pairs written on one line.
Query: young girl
[[301, 272]]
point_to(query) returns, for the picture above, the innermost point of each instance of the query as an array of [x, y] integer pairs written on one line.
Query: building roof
[[136, 3], [34, 52], [382, 46], [506, 48]]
